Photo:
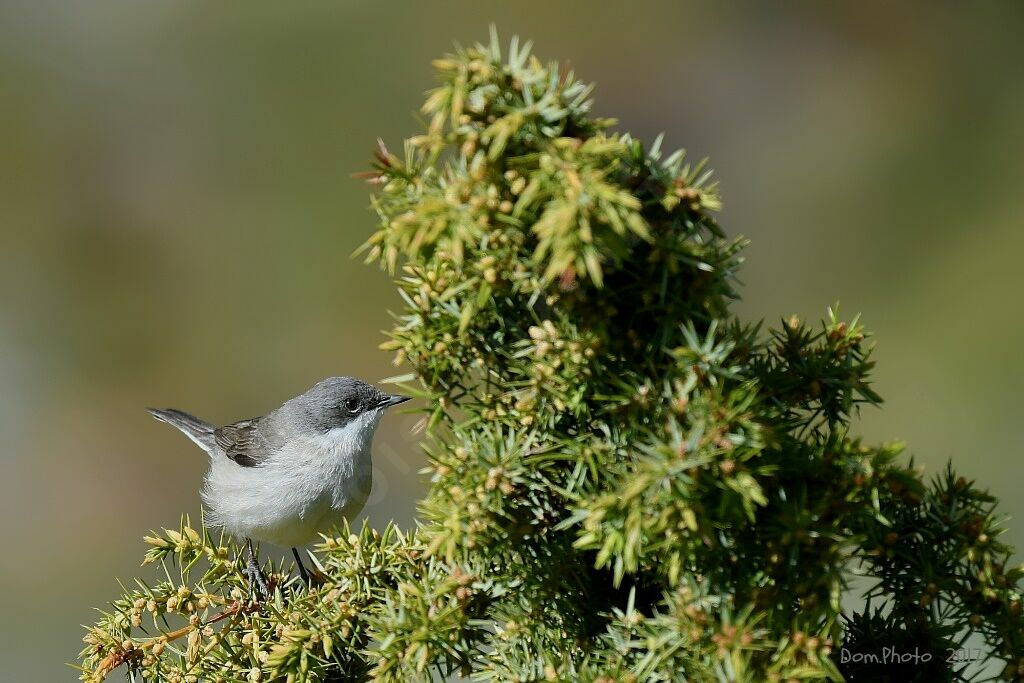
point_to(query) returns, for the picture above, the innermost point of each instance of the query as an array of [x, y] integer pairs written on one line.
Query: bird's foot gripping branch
[[200, 623], [627, 482]]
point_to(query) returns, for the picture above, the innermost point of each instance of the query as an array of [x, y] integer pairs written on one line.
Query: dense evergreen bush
[[627, 482]]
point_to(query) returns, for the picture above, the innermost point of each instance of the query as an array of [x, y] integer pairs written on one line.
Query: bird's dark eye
[[352, 405]]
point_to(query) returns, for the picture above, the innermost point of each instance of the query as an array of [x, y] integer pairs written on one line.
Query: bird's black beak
[[393, 401]]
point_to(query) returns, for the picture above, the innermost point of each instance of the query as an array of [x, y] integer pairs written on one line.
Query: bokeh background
[[177, 215]]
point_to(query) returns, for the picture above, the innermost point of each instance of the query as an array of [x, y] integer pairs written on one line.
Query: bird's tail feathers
[[199, 431]]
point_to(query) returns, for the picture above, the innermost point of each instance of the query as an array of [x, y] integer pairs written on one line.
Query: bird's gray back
[[250, 443]]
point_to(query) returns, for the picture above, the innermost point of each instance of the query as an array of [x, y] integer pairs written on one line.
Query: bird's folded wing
[[243, 442]]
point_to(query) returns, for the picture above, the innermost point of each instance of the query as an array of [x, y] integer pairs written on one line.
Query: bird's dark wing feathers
[[242, 442]]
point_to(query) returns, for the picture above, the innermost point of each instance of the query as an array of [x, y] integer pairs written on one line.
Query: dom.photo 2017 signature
[[890, 655]]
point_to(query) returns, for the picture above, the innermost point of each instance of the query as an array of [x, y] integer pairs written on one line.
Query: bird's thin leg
[[257, 581], [302, 568]]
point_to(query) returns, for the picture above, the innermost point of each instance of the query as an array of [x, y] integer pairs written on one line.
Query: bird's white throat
[[349, 440]]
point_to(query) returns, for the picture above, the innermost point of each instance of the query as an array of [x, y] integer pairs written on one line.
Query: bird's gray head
[[337, 401]]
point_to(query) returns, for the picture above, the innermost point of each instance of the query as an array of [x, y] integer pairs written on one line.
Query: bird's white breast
[[311, 483]]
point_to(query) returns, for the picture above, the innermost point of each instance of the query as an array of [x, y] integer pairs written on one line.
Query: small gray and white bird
[[293, 473]]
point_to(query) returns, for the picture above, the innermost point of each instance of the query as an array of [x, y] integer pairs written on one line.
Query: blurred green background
[[177, 214]]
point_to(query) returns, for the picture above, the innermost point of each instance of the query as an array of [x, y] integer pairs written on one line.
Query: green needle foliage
[[627, 482]]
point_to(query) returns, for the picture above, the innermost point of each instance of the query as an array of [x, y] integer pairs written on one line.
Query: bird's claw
[[311, 577], [257, 579], [316, 578]]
